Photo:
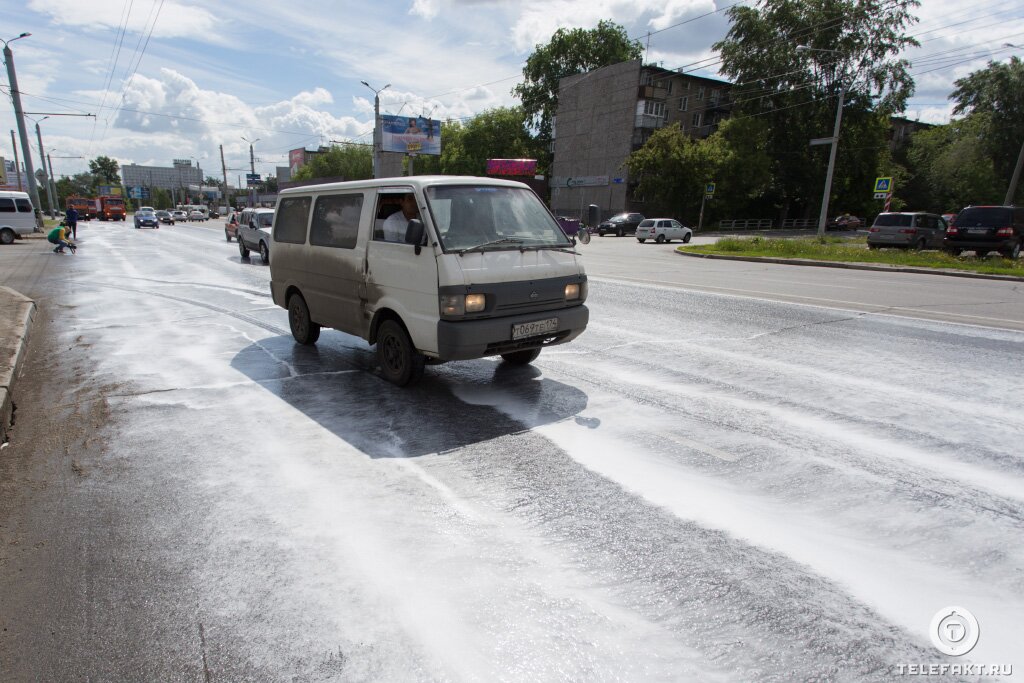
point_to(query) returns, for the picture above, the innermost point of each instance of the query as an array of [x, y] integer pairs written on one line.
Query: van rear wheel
[[7, 236], [400, 363], [521, 357], [304, 329]]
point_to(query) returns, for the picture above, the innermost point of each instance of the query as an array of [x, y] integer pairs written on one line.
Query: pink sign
[[518, 167]]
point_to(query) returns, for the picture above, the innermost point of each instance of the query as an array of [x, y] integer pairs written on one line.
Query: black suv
[[982, 229], [620, 224]]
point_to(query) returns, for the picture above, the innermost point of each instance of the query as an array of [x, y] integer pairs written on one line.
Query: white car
[[662, 230], [179, 215]]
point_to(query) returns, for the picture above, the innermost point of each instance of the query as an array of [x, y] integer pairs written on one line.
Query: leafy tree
[[500, 133], [270, 184], [569, 52], [210, 180], [106, 169], [998, 91], [952, 169], [352, 162], [161, 199], [855, 43]]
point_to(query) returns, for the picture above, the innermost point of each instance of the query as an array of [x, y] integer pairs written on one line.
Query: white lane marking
[[876, 309]]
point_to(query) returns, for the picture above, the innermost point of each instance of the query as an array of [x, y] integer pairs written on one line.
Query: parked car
[[907, 229], [662, 230], [196, 215], [165, 217], [17, 218], [845, 222], [254, 232], [179, 215], [982, 229], [231, 226], [146, 219], [620, 224]]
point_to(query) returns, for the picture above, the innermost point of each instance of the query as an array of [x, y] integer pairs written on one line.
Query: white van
[[16, 216], [428, 268]]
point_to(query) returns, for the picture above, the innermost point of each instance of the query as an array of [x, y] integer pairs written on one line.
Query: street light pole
[[252, 170], [823, 216], [12, 77], [42, 157], [378, 134]]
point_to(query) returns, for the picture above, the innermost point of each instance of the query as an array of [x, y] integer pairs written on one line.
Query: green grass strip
[[854, 250]]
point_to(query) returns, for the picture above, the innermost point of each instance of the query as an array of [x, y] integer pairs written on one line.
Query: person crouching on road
[[59, 236]]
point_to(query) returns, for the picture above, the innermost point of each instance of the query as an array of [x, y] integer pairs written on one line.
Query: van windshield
[[480, 217]]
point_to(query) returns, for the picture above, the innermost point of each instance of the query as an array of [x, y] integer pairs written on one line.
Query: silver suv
[[907, 229]]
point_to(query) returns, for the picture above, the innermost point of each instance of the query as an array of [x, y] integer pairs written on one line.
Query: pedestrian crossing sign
[[883, 184]]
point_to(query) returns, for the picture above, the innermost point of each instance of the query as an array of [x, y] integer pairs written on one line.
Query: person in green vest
[[59, 236]]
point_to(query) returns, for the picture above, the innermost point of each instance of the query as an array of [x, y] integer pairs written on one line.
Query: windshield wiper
[[503, 240], [556, 247]]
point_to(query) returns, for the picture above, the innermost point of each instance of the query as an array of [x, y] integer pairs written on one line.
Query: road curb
[[16, 314], [855, 266]]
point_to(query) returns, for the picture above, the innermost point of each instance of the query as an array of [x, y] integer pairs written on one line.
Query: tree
[[998, 92], [106, 169], [348, 161], [500, 133], [211, 181], [856, 43], [951, 169], [161, 199], [270, 184], [568, 52]]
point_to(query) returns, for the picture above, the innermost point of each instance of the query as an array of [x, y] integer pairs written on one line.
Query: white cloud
[[176, 19], [427, 9]]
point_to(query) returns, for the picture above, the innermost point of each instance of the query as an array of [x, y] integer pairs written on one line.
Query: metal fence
[[800, 223], [747, 224]]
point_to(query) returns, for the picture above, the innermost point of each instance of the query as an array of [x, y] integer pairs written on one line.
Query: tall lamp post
[[823, 217], [12, 77], [42, 163], [252, 170], [378, 137]]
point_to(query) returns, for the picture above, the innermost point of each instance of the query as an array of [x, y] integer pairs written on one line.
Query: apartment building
[[606, 114]]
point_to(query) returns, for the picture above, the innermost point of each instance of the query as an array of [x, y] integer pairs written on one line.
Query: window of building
[[670, 87], [654, 108], [292, 218], [700, 93], [684, 102], [336, 221], [714, 96], [645, 78], [696, 119]]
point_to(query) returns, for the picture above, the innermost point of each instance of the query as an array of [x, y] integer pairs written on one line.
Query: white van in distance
[[16, 216], [428, 268]]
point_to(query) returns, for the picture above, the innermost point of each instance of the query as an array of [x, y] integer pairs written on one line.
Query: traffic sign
[[709, 188], [881, 195], [883, 184], [252, 179], [709, 196]]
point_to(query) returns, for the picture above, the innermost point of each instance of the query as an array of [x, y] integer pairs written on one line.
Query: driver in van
[[396, 223]]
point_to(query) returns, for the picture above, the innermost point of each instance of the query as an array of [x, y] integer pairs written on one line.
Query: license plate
[[532, 329], [978, 231]]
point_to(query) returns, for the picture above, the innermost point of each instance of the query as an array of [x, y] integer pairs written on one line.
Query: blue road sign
[[709, 188], [883, 184]]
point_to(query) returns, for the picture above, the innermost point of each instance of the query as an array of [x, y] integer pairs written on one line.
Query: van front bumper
[[468, 339]]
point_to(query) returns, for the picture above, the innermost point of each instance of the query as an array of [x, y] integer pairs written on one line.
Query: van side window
[[336, 221], [24, 205], [6, 205], [292, 219]]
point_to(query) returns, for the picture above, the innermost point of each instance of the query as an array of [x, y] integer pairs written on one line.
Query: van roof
[[13, 194], [416, 181]]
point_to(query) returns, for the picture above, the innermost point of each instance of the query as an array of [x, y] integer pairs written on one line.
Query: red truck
[[111, 208], [85, 206]]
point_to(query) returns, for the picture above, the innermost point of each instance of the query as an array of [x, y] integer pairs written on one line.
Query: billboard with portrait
[[411, 134], [296, 159]]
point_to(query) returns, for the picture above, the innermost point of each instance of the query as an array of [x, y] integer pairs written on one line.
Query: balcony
[[650, 121], [650, 92]]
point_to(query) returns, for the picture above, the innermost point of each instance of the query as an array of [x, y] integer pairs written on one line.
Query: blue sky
[[175, 79]]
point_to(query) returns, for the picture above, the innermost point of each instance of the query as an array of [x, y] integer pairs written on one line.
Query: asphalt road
[[709, 484]]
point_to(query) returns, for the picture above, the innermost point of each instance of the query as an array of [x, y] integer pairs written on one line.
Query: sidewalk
[[16, 313]]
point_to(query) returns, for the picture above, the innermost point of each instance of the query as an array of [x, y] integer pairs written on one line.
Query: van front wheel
[[521, 357], [7, 236], [304, 329], [399, 361]]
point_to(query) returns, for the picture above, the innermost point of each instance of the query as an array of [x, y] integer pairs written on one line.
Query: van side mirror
[[414, 234]]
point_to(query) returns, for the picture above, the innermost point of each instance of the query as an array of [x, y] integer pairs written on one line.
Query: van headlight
[[460, 304], [572, 291]]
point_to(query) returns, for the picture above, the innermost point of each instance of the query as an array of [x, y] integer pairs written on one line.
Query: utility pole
[[12, 77], [17, 171], [42, 161], [53, 182], [224, 170], [378, 133], [252, 171]]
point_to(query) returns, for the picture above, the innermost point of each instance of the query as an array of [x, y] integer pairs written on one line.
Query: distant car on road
[[179, 215], [662, 230], [620, 224], [146, 219], [196, 215], [214, 214], [165, 217], [907, 229], [231, 226], [845, 222]]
